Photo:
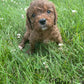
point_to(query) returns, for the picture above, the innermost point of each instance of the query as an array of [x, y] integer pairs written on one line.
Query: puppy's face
[[41, 15]]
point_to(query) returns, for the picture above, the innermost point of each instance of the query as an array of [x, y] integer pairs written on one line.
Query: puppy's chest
[[44, 37]]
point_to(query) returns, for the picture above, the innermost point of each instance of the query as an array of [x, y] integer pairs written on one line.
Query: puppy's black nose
[[42, 21]]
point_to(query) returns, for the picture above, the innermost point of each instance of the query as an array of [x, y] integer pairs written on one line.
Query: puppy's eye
[[48, 11], [33, 15]]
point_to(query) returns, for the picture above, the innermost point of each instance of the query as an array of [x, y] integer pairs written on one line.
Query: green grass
[[50, 66]]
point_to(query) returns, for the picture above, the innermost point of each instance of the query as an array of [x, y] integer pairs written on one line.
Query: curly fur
[[40, 32]]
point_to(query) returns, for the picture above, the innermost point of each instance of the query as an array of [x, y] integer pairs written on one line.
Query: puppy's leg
[[60, 42], [57, 38], [24, 40], [32, 47], [34, 37]]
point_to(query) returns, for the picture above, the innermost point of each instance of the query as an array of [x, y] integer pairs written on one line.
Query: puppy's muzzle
[[42, 21]]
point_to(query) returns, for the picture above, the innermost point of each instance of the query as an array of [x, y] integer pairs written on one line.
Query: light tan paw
[[20, 47], [60, 44]]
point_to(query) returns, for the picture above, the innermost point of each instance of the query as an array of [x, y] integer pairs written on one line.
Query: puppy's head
[[41, 15]]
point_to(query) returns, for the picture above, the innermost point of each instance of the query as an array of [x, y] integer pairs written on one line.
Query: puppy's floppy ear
[[28, 21], [55, 15]]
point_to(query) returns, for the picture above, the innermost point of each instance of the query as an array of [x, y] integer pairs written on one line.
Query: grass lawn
[[50, 66]]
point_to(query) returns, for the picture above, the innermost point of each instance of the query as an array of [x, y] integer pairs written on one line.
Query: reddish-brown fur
[[34, 30]]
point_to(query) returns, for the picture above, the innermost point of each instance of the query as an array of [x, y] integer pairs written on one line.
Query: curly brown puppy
[[41, 18]]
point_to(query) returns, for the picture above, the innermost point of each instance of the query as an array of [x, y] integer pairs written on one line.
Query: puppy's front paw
[[60, 46], [20, 47]]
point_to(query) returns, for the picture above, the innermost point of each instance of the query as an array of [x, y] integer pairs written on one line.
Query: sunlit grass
[[49, 66]]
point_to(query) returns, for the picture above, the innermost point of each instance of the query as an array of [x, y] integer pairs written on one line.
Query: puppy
[[41, 19]]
